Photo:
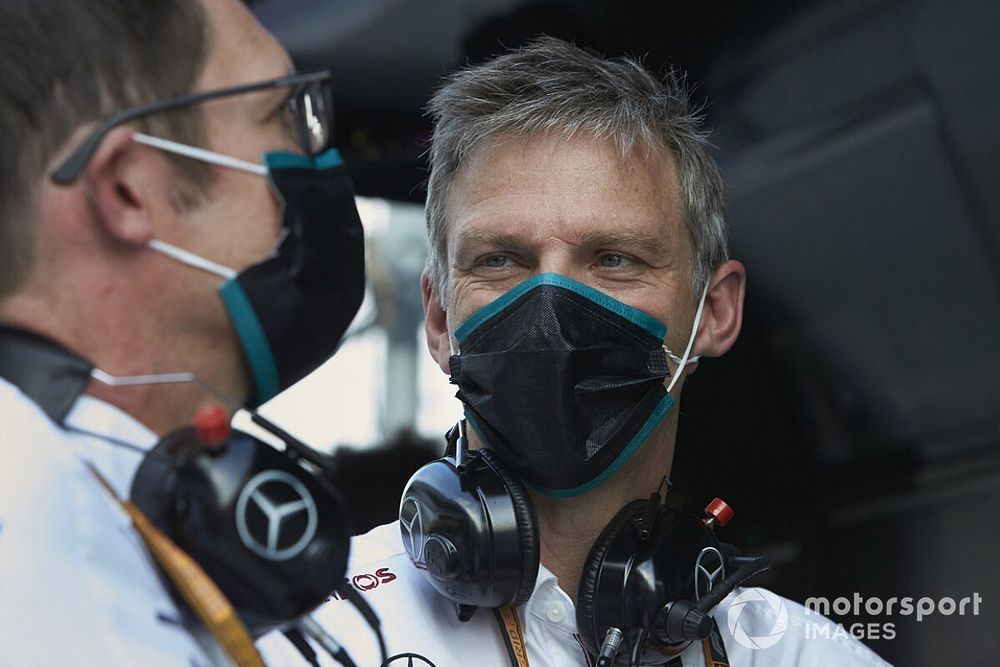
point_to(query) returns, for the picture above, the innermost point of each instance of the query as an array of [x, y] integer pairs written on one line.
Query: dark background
[[855, 427]]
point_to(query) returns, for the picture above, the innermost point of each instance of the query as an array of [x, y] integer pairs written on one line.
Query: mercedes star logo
[[708, 569], [267, 515], [412, 528], [408, 660]]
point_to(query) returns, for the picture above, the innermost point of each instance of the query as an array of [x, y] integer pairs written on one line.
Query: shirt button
[[555, 613]]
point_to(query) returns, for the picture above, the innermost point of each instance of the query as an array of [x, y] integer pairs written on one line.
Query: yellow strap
[[510, 628], [715, 654]]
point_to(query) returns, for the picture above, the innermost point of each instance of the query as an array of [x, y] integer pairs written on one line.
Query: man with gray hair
[[578, 271]]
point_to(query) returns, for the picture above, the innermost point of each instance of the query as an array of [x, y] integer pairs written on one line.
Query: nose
[[558, 257]]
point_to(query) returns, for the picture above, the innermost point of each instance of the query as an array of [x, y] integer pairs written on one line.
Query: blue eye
[[611, 261], [496, 261]]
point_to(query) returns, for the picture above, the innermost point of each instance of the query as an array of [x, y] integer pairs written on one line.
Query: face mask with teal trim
[[563, 382], [291, 309]]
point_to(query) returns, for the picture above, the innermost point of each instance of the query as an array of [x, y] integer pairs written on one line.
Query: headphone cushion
[[587, 592], [527, 525]]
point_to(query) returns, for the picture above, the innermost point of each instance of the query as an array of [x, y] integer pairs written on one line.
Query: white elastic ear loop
[[191, 259], [162, 378], [200, 154], [684, 360]]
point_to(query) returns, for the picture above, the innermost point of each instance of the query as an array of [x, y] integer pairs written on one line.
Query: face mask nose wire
[[687, 358]]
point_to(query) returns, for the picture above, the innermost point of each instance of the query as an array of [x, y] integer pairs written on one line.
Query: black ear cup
[[629, 578], [472, 534], [272, 535], [593, 567], [527, 525]]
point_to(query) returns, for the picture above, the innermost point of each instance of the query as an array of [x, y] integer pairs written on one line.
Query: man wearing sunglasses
[[170, 207]]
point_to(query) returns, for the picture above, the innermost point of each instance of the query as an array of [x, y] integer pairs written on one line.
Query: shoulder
[[21, 415], [762, 628], [378, 544], [380, 569], [41, 466], [414, 618], [69, 561]]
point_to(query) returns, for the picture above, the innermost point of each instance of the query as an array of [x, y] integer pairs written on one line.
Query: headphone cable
[[347, 591]]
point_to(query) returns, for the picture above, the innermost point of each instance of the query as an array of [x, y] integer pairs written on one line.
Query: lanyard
[[510, 630], [713, 649], [196, 588]]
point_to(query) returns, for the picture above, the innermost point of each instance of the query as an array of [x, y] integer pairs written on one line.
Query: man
[[572, 207], [132, 181]]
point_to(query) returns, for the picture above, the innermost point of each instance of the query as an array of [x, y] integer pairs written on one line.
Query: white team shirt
[[416, 620], [76, 584]]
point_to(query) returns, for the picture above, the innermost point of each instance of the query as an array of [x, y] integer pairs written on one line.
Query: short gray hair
[[552, 86]]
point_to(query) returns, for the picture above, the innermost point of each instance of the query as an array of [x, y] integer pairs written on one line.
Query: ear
[[723, 314], [129, 187], [435, 324]]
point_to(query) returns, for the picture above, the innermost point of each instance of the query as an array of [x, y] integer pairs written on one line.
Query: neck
[[568, 527], [161, 407], [144, 351]]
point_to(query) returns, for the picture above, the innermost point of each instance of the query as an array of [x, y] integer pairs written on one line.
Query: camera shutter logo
[[412, 527], [280, 498], [740, 625], [709, 569]]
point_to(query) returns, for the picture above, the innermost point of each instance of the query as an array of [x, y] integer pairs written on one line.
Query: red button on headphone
[[211, 423], [720, 511]]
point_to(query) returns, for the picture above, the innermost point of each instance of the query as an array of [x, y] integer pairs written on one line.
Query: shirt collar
[[48, 373], [104, 420], [550, 604]]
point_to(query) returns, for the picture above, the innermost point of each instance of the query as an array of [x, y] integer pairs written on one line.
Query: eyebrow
[[274, 97], [657, 245], [489, 238], [278, 96]]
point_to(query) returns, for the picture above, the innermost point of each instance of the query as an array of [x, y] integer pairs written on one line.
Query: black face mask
[[564, 382], [291, 309]]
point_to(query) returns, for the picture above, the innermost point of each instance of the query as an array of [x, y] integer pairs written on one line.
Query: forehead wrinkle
[[481, 199]]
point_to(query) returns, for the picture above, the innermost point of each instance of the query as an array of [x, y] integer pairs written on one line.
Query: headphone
[[469, 526], [264, 524], [650, 579]]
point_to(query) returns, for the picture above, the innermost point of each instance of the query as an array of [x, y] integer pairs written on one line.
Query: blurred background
[[855, 427]]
